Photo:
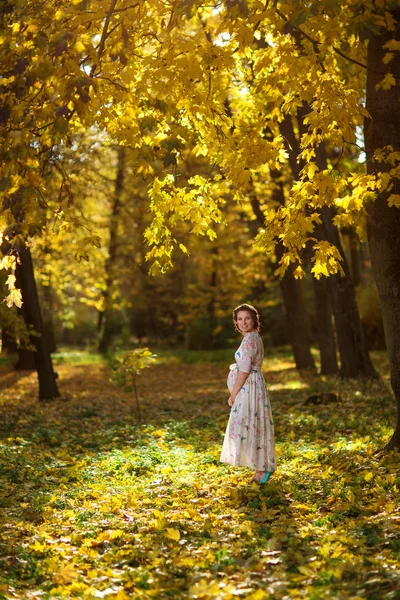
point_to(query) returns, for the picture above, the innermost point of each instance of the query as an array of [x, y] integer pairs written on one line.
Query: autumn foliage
[[96, 505], [162, 161]]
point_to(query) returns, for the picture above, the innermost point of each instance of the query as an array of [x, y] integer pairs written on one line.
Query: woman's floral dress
[[249, 437]]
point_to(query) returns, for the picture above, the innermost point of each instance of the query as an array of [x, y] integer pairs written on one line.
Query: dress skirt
[[249, 437]]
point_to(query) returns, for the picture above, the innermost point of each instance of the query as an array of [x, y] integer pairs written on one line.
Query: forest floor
[[96, 505]]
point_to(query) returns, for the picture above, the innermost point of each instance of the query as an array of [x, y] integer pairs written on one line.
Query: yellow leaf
[[173, 534], [311, 169], [394, 200], [38, 547], [204, 589], [306, 571], [368, 476], [14, 297], [160, 524], [327, 473], [298, 273], [325, 549], [301, 506], [66, 575], [122, 595], [387, 82], [258, 595]]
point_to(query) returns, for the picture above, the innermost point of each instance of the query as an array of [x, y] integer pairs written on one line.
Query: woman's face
[[245, 321]]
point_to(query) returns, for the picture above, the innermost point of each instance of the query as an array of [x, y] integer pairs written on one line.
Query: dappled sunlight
[[290, 385], [152, 502], [277, 366]]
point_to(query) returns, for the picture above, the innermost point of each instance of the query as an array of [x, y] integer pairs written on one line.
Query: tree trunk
[[31, 309], [354, 357], [355, 257], [325, 333], [213, 290], [48, 310], [297, 317], [383, 222], [293, 298], [325, 330], [26, 360], [107, 319], [8, 343]]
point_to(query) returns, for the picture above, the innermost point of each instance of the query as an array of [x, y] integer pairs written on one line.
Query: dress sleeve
[[248, 352]]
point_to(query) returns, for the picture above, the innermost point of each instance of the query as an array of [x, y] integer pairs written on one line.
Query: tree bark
[[48, 325], [297, 317], [354, 357], [325, 332], [107, 319], [8, 343], [383, 222], [213, 290], [32, 314], [355, 257], [26, 360]]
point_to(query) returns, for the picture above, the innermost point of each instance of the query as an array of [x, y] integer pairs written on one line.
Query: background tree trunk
[[213, 288], [325, 332], [107, 319], [26, 360], [354, 356], [383, 222], [297, 317], [8, 343], [31, 310], [355, 257]]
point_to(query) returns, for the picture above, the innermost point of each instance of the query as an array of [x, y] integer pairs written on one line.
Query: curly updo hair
[[248, 308]]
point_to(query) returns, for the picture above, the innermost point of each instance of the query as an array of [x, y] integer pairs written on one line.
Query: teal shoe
[[266, 477]]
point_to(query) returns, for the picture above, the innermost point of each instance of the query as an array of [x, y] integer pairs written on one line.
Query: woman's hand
[[239, 383]]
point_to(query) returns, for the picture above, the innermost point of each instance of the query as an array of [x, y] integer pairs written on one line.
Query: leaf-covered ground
[[96, 505]]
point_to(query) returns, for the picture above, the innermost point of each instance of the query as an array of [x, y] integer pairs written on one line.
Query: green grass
[[95, 504]]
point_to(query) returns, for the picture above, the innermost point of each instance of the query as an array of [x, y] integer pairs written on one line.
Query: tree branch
[[104, 35]]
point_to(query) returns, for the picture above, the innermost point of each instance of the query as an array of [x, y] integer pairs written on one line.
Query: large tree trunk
[[48, 324], [383, 222], [325, 332], [26, 360], [213, 292], [355, 257], [31, 309], [8, 343], [354, 357], [297, 317], [298, 320], [107, 321]]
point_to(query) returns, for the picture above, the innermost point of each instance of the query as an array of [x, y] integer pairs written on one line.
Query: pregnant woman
[[249, 437]]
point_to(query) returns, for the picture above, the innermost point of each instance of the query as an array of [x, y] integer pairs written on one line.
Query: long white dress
[[249, 437]]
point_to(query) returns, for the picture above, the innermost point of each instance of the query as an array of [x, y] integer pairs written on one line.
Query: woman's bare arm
[[240, 381]]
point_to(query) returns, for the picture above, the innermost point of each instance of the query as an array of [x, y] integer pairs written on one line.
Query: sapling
[[127, 367]]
